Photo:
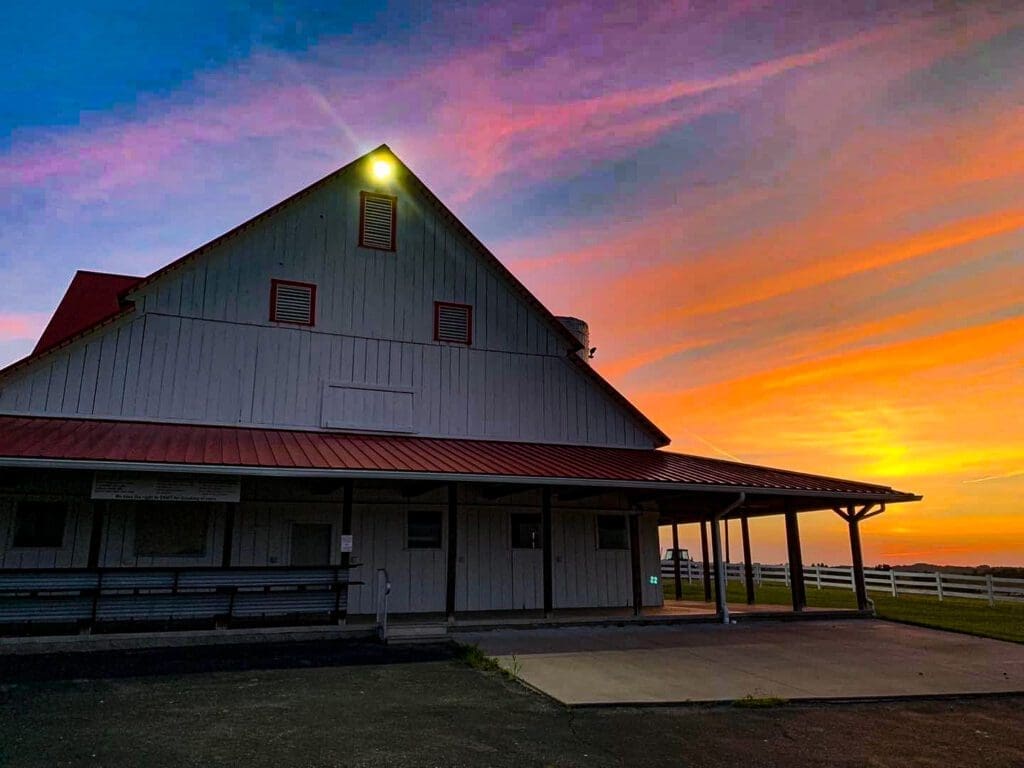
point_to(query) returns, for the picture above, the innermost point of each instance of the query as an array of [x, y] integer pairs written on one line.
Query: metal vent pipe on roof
[[581, 331]]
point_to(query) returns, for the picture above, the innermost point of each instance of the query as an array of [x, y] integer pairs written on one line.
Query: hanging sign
[[146, 486], [346, 542]]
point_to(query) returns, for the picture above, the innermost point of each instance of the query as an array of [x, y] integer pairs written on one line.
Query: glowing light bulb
[[382, 169]]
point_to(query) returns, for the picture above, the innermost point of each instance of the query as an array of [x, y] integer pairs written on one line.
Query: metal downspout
[[723, 605]]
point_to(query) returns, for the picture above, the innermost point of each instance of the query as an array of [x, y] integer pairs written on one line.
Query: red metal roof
[[91, 298], [241, 448]]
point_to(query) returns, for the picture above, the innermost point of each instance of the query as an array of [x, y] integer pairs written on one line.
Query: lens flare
[[382, 169]]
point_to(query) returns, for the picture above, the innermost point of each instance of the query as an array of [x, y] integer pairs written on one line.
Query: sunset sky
[[796, 231]]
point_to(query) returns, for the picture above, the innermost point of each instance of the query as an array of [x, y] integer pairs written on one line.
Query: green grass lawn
[[1005, 621]]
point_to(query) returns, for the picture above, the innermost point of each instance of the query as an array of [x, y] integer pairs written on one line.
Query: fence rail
[[895, 583]]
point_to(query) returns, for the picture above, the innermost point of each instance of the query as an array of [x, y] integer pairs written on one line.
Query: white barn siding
[[199, 346], [187, 370], [73, 554], [263, 530], [117, 547], [418, 576]]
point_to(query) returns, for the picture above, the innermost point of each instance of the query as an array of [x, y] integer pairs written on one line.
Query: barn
[[346, 393]]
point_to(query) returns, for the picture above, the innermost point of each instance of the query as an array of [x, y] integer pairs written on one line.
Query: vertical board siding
[[73, 554], [379, 541], [263, 530], [200, 347], [585, 576], [117, 547]]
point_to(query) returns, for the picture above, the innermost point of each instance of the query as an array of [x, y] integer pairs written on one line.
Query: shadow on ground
[[215, 658], [307, 705]]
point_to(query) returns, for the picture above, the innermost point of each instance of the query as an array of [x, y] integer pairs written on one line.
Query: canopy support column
[[636, 570], [545, 514], [748, 564], [453, 549], [853, 517], [704, 560], [796, 562], [348, 490], [676, 565]]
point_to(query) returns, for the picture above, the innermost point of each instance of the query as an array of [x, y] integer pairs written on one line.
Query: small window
[[292, 302], [378, 215], [453, 322], [40, 524], [167, 529], [526, 531], [424, 530], [611, 532]]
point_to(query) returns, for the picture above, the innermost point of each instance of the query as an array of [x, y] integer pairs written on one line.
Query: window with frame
[[378, 221], [171, 529], [612, 532], [527, 531], [424, 529], [453, 322], [292, 302], [40, 524]]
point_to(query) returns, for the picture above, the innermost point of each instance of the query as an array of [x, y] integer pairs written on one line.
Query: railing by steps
[[383, 590], [936, 584]]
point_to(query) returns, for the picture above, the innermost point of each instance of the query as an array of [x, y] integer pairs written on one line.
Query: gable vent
[[453, 322], [292, 302], [377, 214]]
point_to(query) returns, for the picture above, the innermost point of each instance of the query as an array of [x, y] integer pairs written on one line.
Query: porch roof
[[125, 445]]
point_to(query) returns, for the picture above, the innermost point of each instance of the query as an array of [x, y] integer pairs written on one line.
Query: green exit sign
[[653, 579]]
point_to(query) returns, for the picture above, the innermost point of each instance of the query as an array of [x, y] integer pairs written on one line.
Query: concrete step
[[409, 634]]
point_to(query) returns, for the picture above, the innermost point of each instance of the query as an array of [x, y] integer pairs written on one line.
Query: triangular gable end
[[167, 305]]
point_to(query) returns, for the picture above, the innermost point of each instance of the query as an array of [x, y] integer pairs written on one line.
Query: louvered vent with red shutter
[[292, 302], [377, 221], [453, 322]]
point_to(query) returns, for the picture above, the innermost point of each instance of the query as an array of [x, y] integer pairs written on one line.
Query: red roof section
[[91, 298], [90, 440]]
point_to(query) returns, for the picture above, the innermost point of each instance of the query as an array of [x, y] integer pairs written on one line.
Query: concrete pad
[[809, 660]]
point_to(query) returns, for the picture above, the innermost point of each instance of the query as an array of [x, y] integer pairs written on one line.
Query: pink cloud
[[19, 326], [520, 106]]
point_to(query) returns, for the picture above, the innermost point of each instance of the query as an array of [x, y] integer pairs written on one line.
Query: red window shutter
[[378, 220], [292, 302], [453, 322]]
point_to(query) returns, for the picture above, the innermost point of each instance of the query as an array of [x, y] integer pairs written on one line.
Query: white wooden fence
[[896, 583]]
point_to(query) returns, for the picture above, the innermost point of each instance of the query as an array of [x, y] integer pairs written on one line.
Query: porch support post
[[636, 569], [704, 558], [853, 517], [796, 562], [229, 535], [545, 515], [748, 564], [676, 564], [858, 564], [453, 549], [721, 607], [345, 561], [99, 509]]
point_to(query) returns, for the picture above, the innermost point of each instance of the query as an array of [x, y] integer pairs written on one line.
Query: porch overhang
[[681, 487]]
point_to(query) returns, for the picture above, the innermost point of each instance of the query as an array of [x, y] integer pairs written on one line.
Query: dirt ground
[[316, 707]]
